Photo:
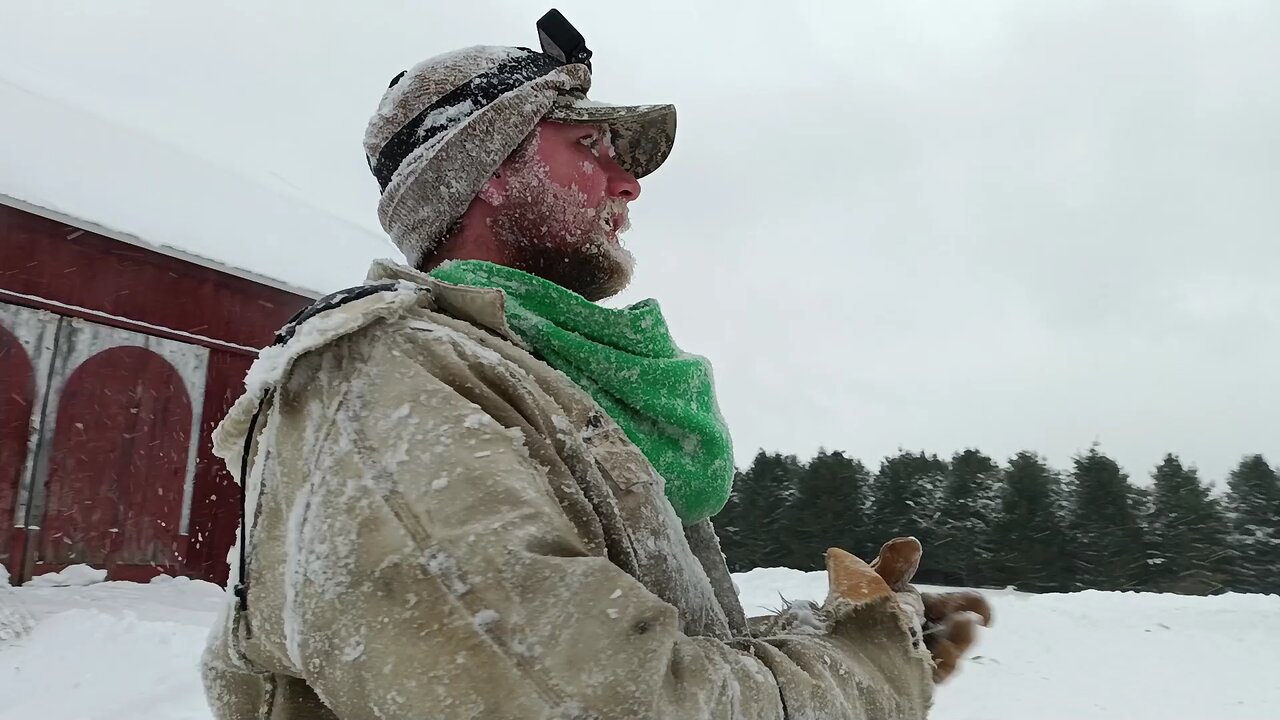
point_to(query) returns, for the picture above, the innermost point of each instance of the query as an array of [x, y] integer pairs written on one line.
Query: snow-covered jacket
[[443, 526]]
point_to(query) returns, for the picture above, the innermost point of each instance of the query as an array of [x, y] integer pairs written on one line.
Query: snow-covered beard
[[548, 231]]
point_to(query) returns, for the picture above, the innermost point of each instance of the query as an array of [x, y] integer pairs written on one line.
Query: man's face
[[560, 202]]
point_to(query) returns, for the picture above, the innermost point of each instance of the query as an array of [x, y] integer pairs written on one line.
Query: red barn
[[136, 283]]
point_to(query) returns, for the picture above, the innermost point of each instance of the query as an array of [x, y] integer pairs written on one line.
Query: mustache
[[615, 208]]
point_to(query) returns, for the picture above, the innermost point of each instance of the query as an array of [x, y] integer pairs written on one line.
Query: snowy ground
[[123, 651]]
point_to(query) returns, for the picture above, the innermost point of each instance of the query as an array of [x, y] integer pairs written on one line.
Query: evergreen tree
[[1109, 544], [1028, 542], [1253, 502], [828, 510], [1188, 532], [729, 526], [1025, 526], [905, 496], [1142, 501], [752, 522], [970, 497]]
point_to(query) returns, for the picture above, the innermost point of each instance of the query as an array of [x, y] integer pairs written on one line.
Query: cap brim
[[642, 134]]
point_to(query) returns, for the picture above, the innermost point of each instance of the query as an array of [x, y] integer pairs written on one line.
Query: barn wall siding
[[48, 259], [215, 510], [114, 423]]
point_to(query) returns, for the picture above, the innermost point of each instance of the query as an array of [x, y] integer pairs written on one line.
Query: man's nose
[[621, 184]]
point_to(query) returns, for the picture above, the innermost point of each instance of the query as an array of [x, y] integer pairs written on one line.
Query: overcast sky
[[1004, 225]]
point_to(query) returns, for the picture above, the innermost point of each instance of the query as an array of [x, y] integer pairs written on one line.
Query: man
[[474, 493]]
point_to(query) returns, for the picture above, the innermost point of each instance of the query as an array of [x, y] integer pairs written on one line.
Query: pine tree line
[[1023, 524]]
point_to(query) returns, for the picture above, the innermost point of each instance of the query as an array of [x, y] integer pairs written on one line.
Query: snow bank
[[179, 600], [110, 651], [72, 576], [116, 651], [91, 665], [15, 621]]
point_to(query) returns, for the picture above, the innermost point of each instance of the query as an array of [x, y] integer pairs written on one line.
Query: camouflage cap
[[642, 134]]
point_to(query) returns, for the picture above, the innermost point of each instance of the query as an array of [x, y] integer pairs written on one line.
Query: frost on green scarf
[[661, 397]]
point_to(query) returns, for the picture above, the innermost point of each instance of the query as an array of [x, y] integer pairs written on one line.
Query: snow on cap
[[444, 127]]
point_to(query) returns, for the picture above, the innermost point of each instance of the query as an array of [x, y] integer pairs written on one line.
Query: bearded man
[[473, 492]]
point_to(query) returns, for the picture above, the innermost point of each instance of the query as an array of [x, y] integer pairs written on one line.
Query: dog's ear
[[898, 561], [850, 578]]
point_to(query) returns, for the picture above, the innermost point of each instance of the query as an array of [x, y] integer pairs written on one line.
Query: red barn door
[[26, 342], [113, 474], [17, 395]]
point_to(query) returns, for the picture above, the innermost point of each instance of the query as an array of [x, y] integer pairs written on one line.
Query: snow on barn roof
[[65, 162]]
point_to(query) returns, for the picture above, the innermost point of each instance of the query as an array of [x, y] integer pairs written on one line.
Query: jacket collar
[[485, 307]]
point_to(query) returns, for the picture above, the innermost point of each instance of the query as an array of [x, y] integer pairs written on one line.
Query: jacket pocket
[[618, 459]]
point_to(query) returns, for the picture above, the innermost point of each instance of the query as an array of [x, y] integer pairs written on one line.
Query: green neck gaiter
[[661, 397]]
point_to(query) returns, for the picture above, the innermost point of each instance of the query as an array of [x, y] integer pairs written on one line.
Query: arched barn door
[[17, 397], [117, 463], [26, 345], [114, 475]]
